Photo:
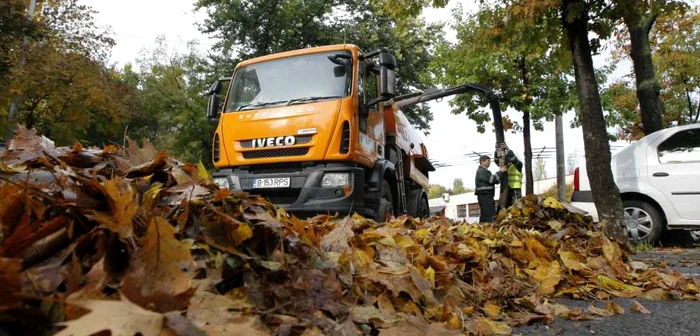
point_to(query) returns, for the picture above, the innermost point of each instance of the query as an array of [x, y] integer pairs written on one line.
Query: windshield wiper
[[261, 104], [303, 99]]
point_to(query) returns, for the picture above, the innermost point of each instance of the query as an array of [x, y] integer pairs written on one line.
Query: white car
[[659, 181]]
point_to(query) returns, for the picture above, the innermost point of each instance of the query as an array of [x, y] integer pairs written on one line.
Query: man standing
[[515, 177], [485, 189]]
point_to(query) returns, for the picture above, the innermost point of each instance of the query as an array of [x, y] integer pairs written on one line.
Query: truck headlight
[[222, 182], [335, 180]]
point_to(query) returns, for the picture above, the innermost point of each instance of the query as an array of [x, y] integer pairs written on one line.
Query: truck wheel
[[386, 204], [423, 210], [643, 220]]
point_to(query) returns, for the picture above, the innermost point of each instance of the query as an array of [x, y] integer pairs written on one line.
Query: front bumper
[[304, 196], [584, 201]]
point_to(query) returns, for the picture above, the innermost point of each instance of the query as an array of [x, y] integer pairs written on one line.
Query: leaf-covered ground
[[129, 240]]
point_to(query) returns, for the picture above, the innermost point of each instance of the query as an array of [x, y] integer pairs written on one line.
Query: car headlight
[[222, 182], [335, 180]]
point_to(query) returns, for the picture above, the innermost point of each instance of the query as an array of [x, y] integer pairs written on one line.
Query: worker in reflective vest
[[515, 178]]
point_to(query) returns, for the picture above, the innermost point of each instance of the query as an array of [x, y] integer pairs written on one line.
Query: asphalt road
[[667, 318]]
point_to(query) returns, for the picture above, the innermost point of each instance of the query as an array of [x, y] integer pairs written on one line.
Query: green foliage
[[170, 105], [64, 89], [436, 191], [248, 29], [676, 51], [522, 59]]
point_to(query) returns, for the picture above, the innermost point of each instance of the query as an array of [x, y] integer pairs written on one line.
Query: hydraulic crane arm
[[434, 93]]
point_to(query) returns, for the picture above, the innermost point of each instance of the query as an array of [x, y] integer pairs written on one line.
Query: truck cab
[[316, 131]]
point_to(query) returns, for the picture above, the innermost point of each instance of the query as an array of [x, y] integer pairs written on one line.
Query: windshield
[[291, 80]]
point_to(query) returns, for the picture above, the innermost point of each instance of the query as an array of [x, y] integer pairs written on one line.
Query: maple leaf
[[121, 318], [157, 278], [122, 206]]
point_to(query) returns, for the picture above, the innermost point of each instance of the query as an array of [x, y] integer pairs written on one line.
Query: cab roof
[[298, 52]]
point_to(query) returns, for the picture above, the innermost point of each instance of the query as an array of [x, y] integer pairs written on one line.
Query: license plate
[[276, 182]]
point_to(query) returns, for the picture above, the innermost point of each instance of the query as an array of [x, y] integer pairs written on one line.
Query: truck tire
[[386, 203], [644, 222], [423, 210]]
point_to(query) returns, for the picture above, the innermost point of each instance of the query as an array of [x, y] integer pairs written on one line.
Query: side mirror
[[387, 83], [213, 107], [364, 110], [387, 75]]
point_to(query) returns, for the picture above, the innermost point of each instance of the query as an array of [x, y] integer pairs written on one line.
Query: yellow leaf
[[613, 307], [454, 322], [551, 202], [492, 310], [242, 233], [123, 207], [611, 284], [547, 276], [202, 172], [611, 251], [571, 260], [121, 318], [430, 274], [655, 294]]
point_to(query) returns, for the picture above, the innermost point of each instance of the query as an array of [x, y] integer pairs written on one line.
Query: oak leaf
[[122, 205], [121, 318], [157, 277]]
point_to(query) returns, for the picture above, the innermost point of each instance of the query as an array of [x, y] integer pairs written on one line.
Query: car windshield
[[291, 80]]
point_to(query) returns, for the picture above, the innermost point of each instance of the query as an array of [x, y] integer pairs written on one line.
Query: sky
[[450, 135]]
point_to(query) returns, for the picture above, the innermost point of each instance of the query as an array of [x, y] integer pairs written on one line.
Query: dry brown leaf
[[121, 318], [11, 283], [600, 312], [123, 207], [636, 306], [484, 326], [613, 307], [157, 278], [337, 239]]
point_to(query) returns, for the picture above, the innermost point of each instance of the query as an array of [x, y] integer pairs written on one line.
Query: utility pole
[[561, 173], [22, 59]]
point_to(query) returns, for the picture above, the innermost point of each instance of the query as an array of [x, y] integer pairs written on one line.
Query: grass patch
[[642, 247]]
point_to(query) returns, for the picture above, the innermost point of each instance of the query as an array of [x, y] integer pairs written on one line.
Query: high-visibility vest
[[515, 177]]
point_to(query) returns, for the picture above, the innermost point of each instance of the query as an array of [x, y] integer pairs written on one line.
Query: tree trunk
[[606, 195], [648, 87], [561, 173], [529, 184], [500, 138]]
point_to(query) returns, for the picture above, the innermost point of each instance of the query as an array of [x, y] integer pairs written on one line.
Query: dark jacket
[[485, 181]]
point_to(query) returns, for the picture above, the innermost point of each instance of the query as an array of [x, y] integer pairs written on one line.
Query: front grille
[[275, 170], [279, 196], [299, 140], [277, 152]]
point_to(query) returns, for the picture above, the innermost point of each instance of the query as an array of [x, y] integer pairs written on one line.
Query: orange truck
[[320, 130]]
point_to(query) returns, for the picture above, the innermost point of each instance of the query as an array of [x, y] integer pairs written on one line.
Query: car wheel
[[643, 220], [386, 204]]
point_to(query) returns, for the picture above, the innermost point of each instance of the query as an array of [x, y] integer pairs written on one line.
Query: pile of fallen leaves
[[129, 240]]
